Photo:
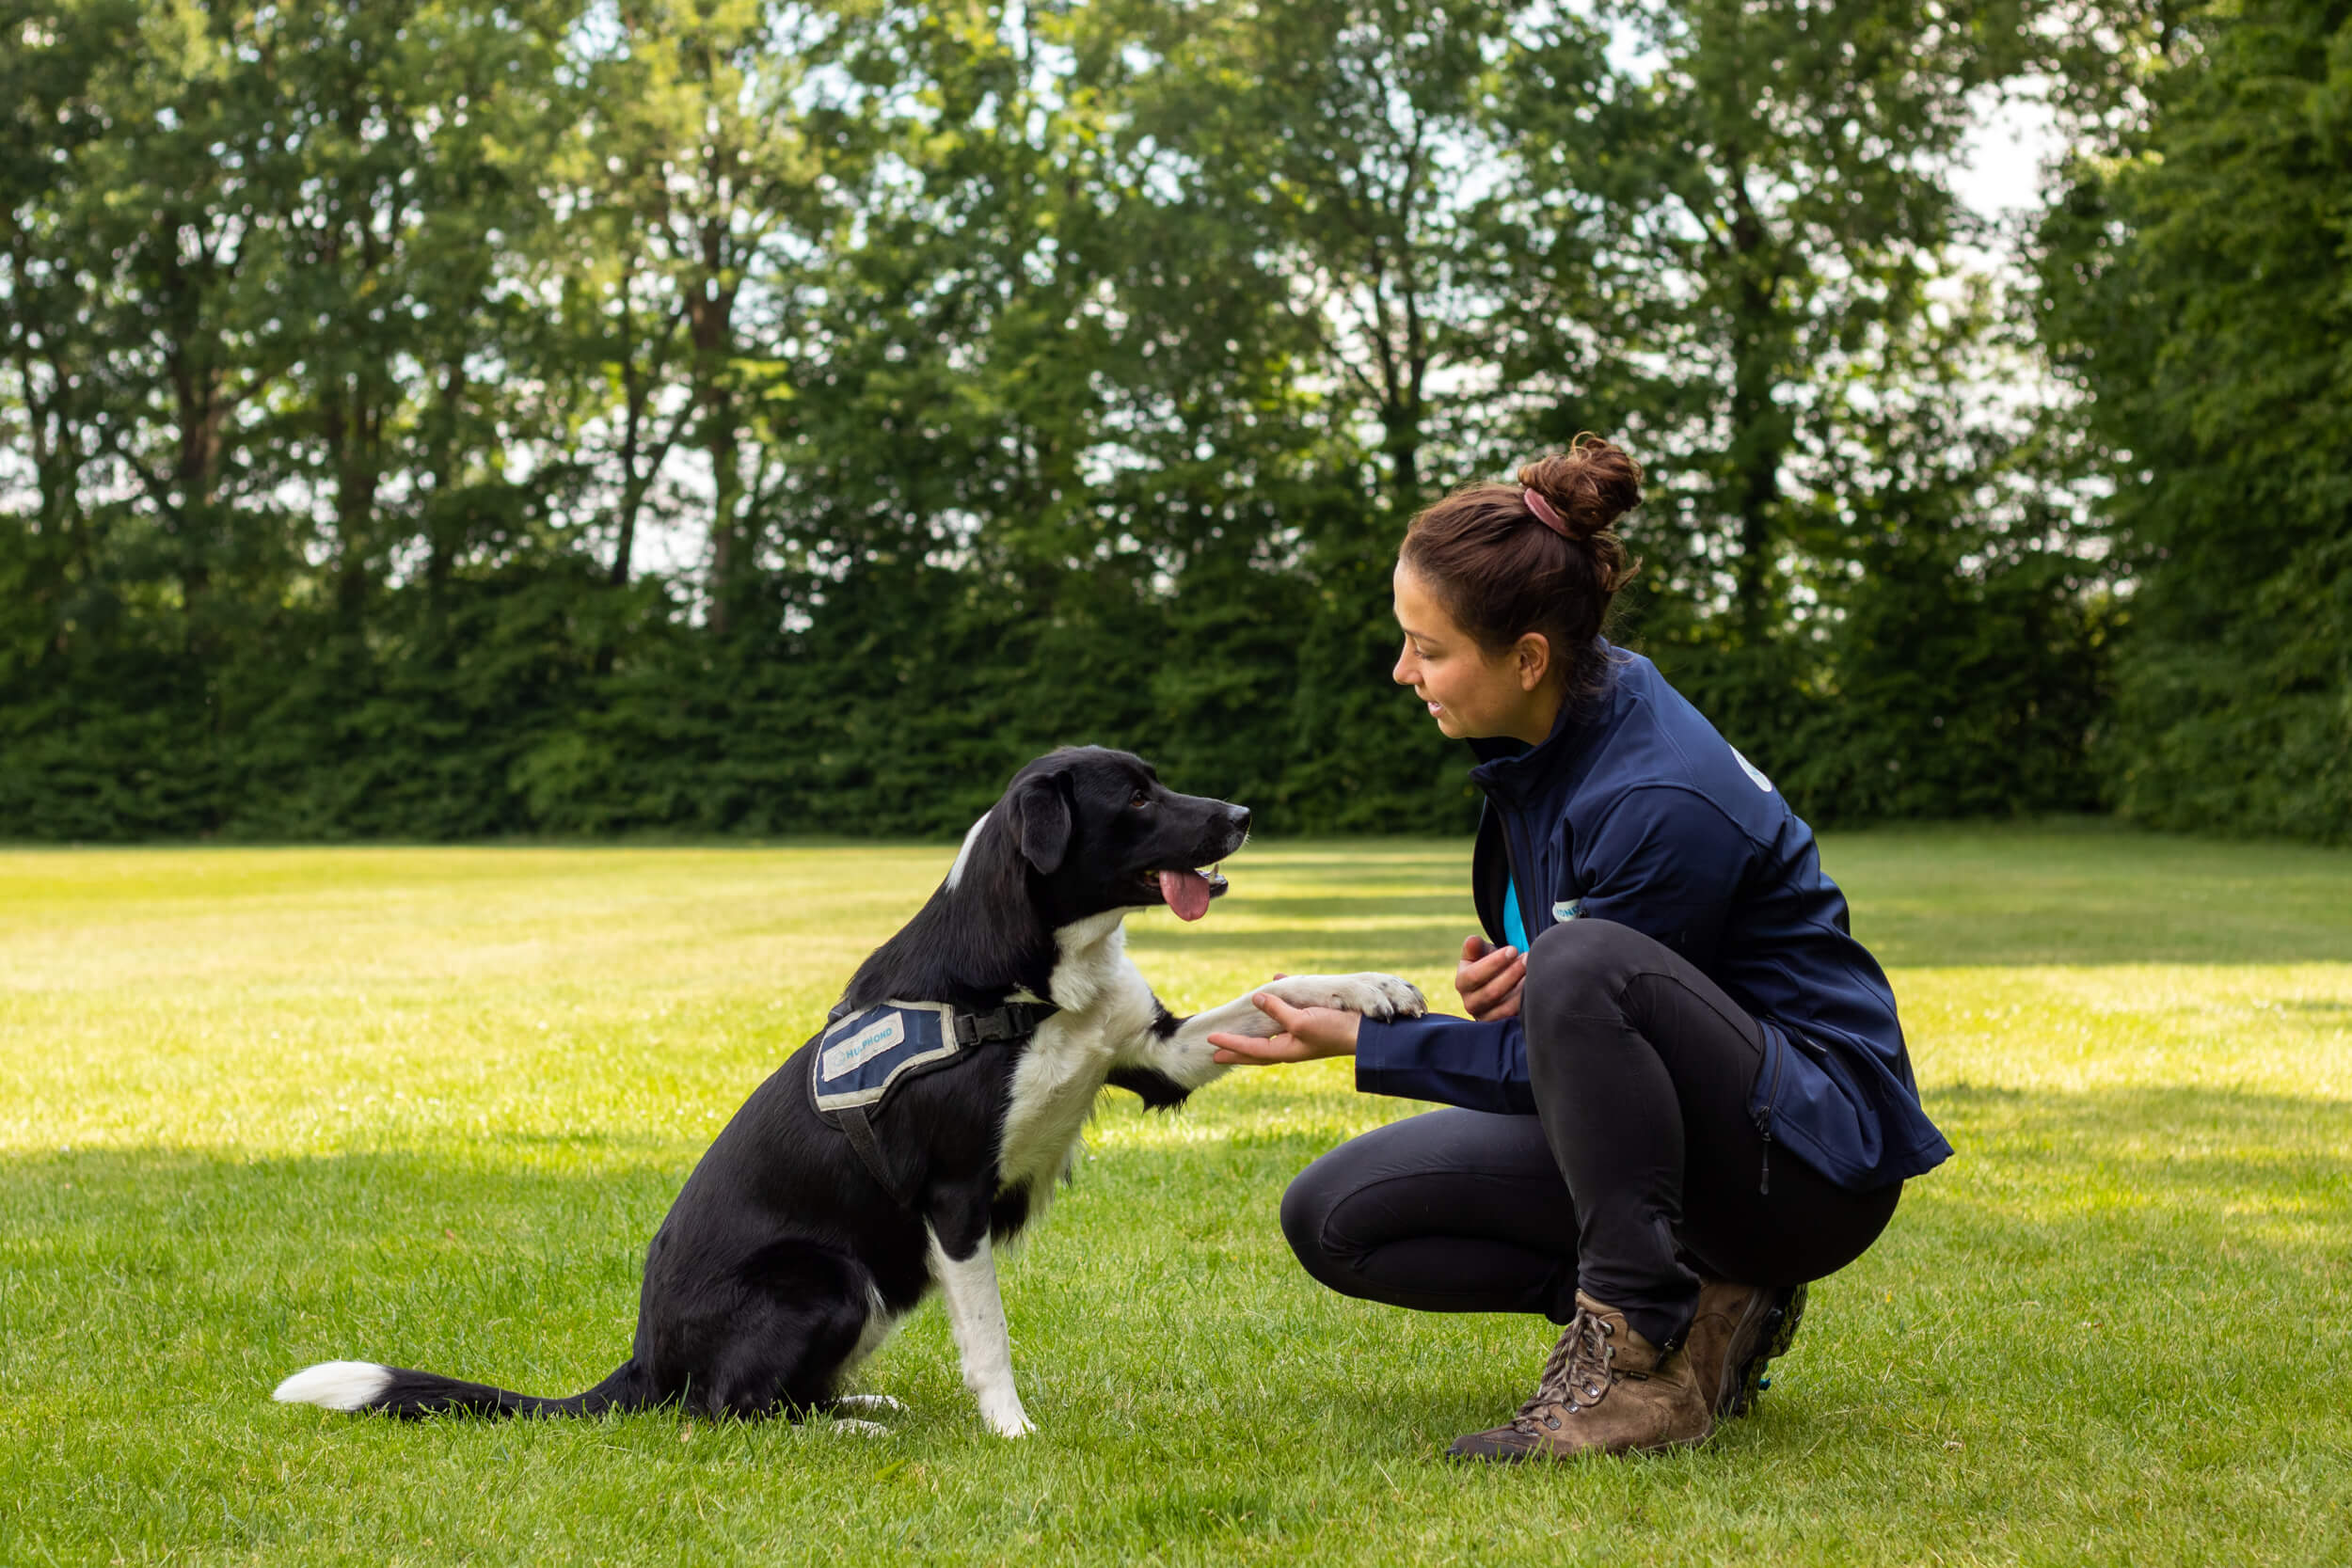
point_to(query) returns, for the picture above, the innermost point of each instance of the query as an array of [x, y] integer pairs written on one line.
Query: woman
[[1682, 1090]]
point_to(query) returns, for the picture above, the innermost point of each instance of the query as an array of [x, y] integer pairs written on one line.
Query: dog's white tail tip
[[336, 1384]]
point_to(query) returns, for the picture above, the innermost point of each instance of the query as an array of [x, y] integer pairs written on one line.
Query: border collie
[[803, 1237]]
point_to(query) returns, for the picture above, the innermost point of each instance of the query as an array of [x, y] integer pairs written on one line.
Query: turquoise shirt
[[1513, 923]]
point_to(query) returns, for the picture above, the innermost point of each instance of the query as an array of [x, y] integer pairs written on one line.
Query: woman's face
[[1471, 692]]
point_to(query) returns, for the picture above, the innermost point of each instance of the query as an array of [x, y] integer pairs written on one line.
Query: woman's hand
[[1488, 979], [1306, 1032]]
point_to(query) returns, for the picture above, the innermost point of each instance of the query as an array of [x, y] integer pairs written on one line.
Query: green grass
[[264, 1107]]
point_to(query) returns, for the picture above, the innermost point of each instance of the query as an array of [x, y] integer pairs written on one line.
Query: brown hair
[[1501, 571]]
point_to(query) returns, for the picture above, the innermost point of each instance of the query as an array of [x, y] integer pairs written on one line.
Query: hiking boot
[[1735, 1334], [1604, 1389]]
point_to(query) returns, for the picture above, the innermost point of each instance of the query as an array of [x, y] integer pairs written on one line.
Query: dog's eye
[[1139, 800]]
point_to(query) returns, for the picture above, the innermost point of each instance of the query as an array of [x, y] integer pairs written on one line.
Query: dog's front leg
[[1173, 1056], [976, 1316]]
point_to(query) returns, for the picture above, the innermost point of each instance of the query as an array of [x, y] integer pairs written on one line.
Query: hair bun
[[1591, 484]]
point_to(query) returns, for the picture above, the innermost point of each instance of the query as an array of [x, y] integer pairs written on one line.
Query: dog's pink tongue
[[1186, 892]]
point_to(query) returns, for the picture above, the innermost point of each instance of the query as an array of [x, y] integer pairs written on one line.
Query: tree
[[2193, 279], [1028, 374], [1349, 142], [718, 170], [1714, 236]]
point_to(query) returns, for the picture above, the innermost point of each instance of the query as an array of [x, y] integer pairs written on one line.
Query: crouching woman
[[1682, 1091]]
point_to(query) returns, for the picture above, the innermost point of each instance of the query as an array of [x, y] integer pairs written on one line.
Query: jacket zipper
[[1514, 885], [1764, 1120]]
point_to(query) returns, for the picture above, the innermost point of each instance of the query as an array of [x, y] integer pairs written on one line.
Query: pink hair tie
[[1545, 514]]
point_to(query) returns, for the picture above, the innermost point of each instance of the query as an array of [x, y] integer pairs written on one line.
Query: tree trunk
[[1757, 438], [711, 309]]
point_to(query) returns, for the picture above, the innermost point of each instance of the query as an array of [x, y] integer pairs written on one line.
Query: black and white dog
[[795, 1247]]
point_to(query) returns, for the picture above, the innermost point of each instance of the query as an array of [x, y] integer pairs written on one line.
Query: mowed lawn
[[264, 1107]]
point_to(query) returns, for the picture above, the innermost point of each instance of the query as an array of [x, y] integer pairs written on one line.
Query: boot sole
[[1780, 1330], [1543, 1455]]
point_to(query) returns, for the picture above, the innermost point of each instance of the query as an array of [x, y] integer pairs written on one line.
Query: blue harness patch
[[859, 1058]]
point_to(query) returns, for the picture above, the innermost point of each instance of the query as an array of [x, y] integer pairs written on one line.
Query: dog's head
[[1099, 831]]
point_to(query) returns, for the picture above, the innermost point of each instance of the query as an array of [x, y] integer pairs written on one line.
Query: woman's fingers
[[1494, 963], [1286, 1018], [1249, 1050], [1491, 982], [1477, 969], [1283, 1046], [1508, 1007]]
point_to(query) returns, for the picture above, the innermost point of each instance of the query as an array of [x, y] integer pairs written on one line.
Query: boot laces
[[1576, 1375]]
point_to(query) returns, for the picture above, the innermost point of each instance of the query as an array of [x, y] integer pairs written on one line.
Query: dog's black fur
[[782, 1260]]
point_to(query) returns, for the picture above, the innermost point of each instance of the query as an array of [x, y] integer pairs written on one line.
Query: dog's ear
[[1041, 819]]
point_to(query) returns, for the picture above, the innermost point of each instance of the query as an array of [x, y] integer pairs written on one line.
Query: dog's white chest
[[1103, 1001]]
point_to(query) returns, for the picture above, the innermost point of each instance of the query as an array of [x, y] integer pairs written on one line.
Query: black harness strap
[[1014, 1020], [860, 1133]]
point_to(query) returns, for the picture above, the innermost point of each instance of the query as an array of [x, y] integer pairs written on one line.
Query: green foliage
[[436, 422], [1721, 248], [2195, 282]]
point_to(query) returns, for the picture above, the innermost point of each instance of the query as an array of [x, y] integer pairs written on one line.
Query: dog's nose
[[1239, 816]]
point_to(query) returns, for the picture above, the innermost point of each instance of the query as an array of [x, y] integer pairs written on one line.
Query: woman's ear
[[1531, 660]]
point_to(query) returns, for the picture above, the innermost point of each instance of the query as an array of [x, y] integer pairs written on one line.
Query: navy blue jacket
[[1635, 810]]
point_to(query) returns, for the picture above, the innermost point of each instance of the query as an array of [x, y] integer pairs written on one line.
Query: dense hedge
[[560, 705], [2196, 283]]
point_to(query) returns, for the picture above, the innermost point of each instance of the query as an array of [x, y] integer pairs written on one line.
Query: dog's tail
[[398, 1391]]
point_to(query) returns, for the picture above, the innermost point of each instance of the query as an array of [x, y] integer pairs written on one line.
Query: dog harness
[[860, 1058]]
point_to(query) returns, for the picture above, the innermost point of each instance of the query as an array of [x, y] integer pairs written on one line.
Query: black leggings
[[1639, 1164]]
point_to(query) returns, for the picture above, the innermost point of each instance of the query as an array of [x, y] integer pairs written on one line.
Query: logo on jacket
[[1569, 911], [1756, 774]]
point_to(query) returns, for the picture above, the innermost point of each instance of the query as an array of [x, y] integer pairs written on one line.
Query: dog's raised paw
[[1378, 996], [1382, 997], [1400, 997]]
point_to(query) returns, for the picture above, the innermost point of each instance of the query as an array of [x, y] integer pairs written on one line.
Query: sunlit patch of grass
[[264, 1107]]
